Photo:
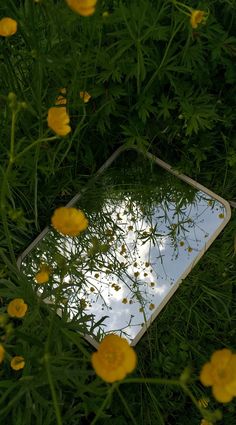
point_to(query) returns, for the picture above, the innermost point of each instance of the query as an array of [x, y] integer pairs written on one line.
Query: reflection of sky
[[146, 257], [152, 268]]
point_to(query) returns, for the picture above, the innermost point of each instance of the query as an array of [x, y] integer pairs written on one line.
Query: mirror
[[148, 227]]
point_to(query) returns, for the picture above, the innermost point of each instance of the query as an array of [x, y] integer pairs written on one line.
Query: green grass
[[143, 87]]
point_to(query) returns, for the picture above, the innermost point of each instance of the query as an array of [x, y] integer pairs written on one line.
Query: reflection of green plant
[[161, 208]]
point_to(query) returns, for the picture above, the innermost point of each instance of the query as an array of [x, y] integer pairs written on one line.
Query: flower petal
[[221, 394], [221, 358], [206, 377]]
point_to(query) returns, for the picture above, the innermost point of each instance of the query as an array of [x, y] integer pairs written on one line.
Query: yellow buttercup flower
[[58, 121], [42, 277], [83, 7], [69, 221], [2, 353], [85, 96], [8, 27], [17, 308], [114, 359], [61, 99], [220, 373], [17, 362], [62, 90], [197, 16]]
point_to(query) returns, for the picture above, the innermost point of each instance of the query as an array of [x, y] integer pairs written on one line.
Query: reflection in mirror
[[147, 229]]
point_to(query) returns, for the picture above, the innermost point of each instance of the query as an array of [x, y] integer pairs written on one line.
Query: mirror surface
[[147, 229]]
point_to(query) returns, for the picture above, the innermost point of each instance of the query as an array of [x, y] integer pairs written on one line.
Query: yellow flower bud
[[8, 27], [17, 363]]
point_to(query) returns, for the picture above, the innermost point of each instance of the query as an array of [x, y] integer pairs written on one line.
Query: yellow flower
[[69, 221], [196, 17], [220, 373], [17, 362], [17, 308], [42, 277], [62, 90], [61, 99], [114, 359], [83, 303], [85, 96], [8, 27], [205, 422], [58, 121], [2, 353], [83, 7]]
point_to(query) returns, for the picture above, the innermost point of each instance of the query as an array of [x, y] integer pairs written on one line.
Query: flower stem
[[53, 391], [191, 396], [104, 404], [155, 74], [4, 188], [13, 125], [126, 406], [177, 3], [160, 381], [36, 142]]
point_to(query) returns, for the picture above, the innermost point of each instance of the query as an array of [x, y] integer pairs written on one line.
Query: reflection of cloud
[[146, 255]]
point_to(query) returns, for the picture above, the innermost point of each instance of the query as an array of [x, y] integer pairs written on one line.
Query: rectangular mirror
[[148, 227]]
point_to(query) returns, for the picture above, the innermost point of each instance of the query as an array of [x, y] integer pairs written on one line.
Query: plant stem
[[13, 125], [104, 404], [48, 139], [53, 392], [126, 406], [160, 381], [163, 59], [4, 187], [191, 396]]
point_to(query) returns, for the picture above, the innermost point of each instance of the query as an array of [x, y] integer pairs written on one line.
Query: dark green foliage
[[155, 83]]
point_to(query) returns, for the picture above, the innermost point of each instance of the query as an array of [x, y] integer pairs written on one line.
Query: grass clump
[[150, 74]]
